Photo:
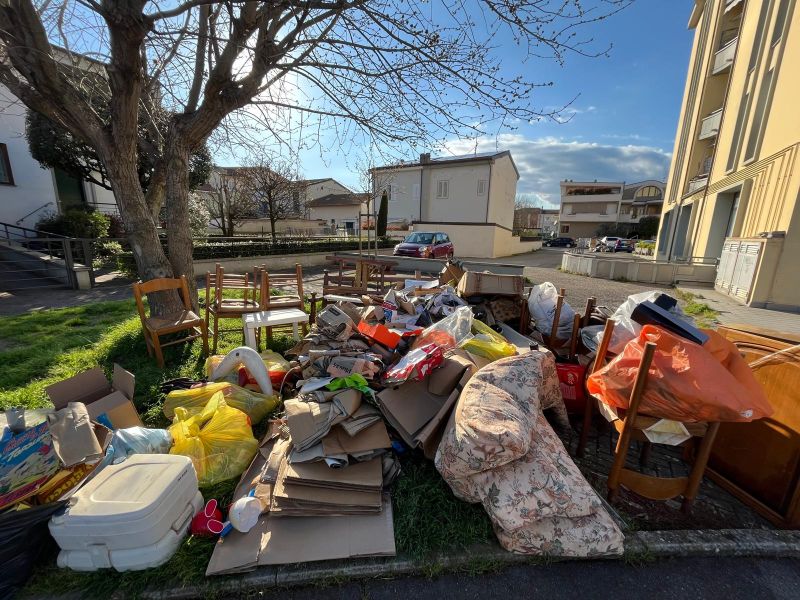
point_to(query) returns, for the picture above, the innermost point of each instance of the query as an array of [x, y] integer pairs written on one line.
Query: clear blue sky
[[623, 120]]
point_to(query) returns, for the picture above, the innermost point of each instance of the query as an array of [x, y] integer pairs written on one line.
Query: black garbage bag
[[24, 539]]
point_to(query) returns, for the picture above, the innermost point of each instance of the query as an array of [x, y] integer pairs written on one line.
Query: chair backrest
[[290, 280], [219, 281], [163, 284]]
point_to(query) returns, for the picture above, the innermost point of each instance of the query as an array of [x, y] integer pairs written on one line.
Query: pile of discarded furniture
[[473, 371]]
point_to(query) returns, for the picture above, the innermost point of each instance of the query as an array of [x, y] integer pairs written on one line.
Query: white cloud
[[544, 162]]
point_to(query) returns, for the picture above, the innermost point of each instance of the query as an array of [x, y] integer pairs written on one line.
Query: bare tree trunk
[[272, 221], [179, 232], [151, 262]]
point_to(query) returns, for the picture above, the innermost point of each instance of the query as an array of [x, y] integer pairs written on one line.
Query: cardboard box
[[108, 402], [31, 463], [418, 410], [490, 284], [451, 274]]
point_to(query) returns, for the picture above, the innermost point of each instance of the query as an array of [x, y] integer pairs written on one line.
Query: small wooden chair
[[232, 307], [269, 302], [154, 327], [631, 426], [293, 299]]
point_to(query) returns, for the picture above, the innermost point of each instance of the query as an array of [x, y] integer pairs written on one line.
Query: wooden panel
[[762, 458]]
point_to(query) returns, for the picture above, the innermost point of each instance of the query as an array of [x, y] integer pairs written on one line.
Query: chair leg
[[269, 336], [204, 333], [588, 413], [216, 332], [699, 467], [620, 454], [159, 353], [147, 342]]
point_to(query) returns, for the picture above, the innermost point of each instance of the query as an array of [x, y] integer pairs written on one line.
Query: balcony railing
[[723, 58], [709, 126], [697, 183]]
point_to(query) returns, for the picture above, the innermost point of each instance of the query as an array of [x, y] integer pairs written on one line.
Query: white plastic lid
[[132, 489]]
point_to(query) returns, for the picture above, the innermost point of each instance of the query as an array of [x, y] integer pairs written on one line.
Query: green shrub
[[76, 223], [105, 252]]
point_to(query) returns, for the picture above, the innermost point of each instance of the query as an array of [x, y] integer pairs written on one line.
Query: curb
[[639, 546]]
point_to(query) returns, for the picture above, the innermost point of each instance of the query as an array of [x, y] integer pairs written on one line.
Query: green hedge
[[260, 247], [217, 250]]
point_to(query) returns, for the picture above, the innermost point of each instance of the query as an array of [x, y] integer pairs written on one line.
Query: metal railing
[[33, 259]]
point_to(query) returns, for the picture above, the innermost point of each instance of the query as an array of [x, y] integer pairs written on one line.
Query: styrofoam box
[[130, 516]]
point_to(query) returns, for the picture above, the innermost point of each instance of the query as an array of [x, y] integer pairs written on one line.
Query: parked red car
[[426, 245]]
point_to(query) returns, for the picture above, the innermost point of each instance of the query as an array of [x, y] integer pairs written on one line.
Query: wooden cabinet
[[759, 462]]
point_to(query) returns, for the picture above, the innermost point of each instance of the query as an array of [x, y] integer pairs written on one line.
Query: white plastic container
[[131, 516]]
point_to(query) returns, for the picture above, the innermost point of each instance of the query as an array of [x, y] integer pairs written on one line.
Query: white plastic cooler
[[131, 516]]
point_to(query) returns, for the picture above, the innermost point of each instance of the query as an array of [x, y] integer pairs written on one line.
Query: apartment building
[[732, 193], [590, 209], [470, 198]]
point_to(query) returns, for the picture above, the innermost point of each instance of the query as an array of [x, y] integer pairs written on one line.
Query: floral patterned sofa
[[499, 450]]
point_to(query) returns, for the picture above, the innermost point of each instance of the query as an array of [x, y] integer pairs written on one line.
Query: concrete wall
[[644, 271], [275, 263], [262, 226], [502, 192], [480, 240]]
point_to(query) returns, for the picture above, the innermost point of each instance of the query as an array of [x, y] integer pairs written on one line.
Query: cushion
[[544, 483], [495, 416]]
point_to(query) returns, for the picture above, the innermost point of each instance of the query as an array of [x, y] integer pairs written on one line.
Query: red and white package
[[415, 365]]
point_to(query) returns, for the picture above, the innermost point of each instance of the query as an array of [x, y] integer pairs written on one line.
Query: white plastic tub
[[130, 516]]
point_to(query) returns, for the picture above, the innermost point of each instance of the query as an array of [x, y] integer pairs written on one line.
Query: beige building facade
[[732, 193], [591, 209], [470, 198]]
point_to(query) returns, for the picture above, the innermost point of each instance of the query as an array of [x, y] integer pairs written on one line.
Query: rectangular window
[[565, 229], [443, 189], [6, 176], [758, 115], [481, 187]]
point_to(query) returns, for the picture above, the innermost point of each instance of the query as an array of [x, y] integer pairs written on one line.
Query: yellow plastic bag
[[254, 405], [219, 440], [488, 343]]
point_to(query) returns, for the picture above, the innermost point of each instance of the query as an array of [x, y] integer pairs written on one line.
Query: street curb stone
[[639, 545]]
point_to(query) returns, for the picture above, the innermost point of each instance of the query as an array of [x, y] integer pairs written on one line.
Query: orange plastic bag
[[686, 382]]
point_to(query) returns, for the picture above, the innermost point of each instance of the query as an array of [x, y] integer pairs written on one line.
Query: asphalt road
[[695, 578]]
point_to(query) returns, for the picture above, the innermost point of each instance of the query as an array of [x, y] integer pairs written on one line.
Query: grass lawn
[[704, 315], [40, 348]]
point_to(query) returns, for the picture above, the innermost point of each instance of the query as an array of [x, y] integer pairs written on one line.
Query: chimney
[[425, 159]]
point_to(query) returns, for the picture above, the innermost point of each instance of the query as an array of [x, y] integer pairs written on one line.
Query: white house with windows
[[470, 198], [27, 190]]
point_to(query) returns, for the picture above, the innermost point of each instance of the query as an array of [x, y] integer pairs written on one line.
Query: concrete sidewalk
[[732, 312]]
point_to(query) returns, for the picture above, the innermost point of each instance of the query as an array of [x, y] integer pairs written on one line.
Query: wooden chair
[[293, 299], [155, 327], [232, 307], [631, 426]]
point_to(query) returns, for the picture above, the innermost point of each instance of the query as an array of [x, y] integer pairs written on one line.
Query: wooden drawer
[[759, 462]]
